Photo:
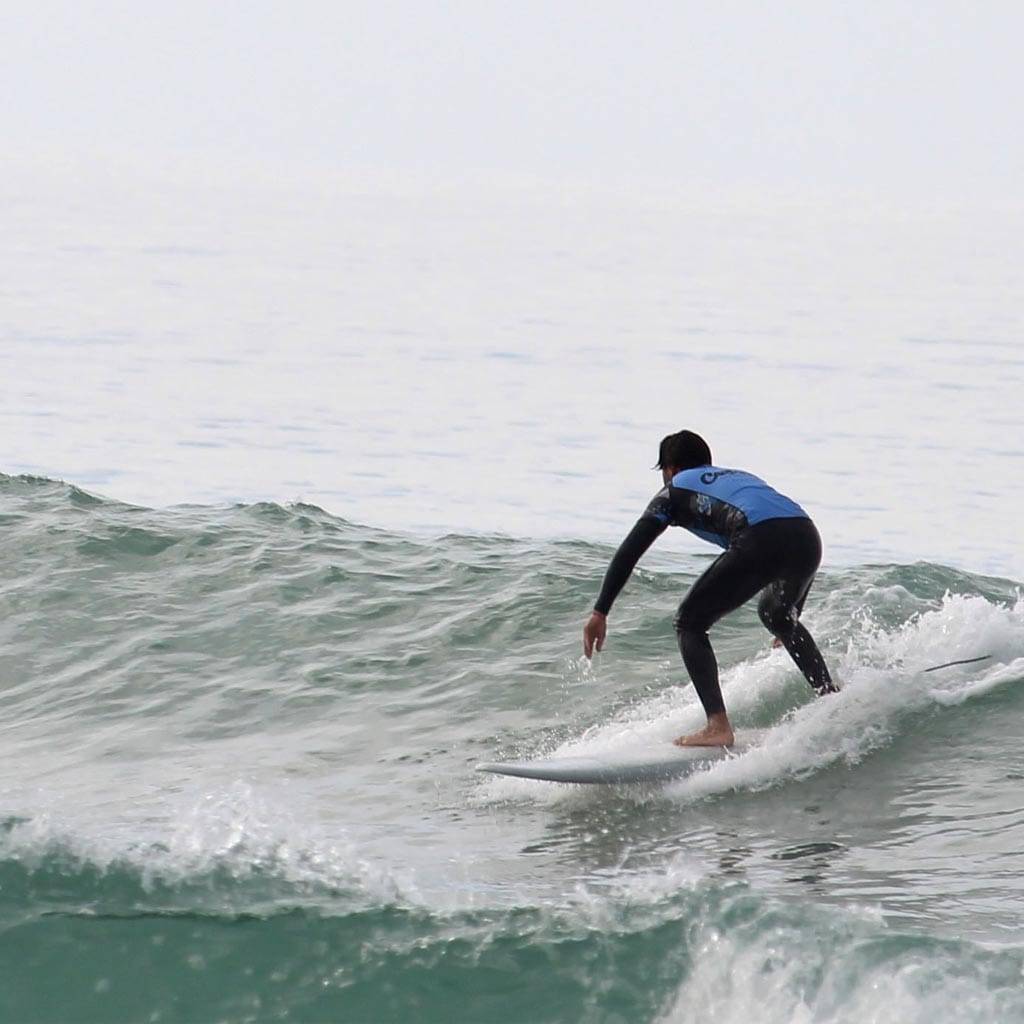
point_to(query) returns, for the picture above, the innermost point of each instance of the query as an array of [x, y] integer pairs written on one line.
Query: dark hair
[[684, 450]]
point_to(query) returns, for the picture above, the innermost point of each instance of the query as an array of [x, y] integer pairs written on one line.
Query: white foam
[[236, 829], [833, 973], [883, 679], [997, 676]]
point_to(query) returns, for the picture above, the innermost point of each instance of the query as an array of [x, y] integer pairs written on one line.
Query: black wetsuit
[[770, 544]]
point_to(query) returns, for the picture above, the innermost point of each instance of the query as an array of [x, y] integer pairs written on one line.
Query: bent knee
[[778, 618], [687, 622]]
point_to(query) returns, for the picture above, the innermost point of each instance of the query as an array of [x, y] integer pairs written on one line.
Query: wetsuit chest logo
[[710, 478]]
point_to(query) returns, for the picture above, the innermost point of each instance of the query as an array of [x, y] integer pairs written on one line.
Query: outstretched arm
[[631, 550], [646, 531]]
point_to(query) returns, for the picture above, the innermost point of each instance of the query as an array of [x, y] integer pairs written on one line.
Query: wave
[[886, 688], [240, 777], [660, 946], [223, 623]]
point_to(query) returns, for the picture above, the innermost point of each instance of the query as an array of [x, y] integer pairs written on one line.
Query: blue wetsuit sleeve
[[647, 530]]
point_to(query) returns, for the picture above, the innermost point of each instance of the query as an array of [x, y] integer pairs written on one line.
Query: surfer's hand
[[594, 632]]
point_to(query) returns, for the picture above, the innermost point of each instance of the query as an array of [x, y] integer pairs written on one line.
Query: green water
[[240, 783]]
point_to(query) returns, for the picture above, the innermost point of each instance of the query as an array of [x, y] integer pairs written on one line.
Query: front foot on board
[[709, 736]]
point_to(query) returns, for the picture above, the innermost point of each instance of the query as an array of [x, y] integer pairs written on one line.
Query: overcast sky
[[893, 94]]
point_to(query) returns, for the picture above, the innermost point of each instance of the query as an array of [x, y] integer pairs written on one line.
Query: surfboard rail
[[652, 764]]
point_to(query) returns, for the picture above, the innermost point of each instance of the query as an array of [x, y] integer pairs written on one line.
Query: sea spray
[[239, 783]]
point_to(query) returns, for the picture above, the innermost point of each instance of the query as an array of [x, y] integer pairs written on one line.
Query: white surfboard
[[656, 762], [651, 762]]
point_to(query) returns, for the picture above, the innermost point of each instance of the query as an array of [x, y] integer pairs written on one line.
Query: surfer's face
[[667, 473]]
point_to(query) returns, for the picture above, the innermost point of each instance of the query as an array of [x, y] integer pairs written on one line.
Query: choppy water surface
[[304, 495], [240, 747]]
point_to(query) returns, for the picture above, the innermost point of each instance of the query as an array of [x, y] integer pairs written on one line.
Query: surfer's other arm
[[646, 531]]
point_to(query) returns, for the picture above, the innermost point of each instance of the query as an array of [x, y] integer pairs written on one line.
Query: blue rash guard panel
[[718, 504]]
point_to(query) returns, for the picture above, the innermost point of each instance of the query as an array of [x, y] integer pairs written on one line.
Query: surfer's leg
[[731, 580], [780, 617], [783, 601]]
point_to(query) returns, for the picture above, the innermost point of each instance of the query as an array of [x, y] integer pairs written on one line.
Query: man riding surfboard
[[771, 547]]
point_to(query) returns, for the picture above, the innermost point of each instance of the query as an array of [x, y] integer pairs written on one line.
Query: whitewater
[[306, 490], [240, 748]]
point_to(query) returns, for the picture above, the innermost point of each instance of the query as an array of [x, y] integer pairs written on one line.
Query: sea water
[[305, 496]]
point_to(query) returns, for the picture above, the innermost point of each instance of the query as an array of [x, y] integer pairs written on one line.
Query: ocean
[[305, 495]]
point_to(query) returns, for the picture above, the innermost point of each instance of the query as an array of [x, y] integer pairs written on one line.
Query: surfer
[[771, 546]]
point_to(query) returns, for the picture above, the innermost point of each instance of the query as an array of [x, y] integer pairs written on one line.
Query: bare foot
[[709, 736]]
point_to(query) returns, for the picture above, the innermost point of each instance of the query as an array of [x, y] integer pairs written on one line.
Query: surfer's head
[[684, 450]]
